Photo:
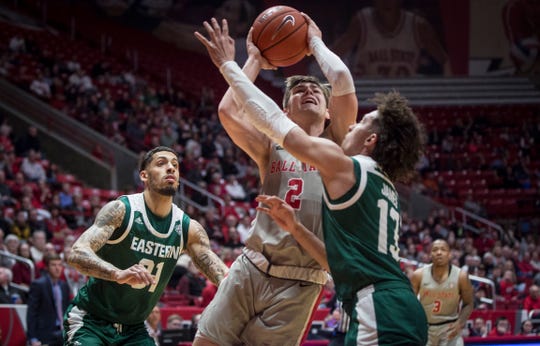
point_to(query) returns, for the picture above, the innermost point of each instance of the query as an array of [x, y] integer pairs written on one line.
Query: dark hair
[[147, 158], [51, 257], [500, 318], [293, 81], [401, 137]]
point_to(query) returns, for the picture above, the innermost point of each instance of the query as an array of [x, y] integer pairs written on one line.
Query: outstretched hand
[[220, 46], [282, 213]]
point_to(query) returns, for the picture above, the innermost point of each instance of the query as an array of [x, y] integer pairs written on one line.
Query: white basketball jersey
[[440, 300], [299, 185], [393, 54]]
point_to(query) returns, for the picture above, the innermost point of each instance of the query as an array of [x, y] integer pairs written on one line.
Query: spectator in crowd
[[532, 300], [6, 200], [508, 289], [175, 321], [75, 214], [153, 324], [47, 301], [235, 189], [192, 283], [57, 226], [22, 273], [478, 328], [17, 44], [66, 196], [32, 168], [36, 219], [501, 327], [243, 227], [527, 328], [169, 136], [525, 268], [233, 240], [20, 226], [40, 86], [482, 295], [17, 185], [9, 294], [41, 266], [38, 246], [12, 243], [29, 141], [535, 261]]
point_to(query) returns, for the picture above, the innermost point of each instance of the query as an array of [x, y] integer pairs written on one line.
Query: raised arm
[[83, 255], [198, 248], [343, 106], [233, 119], [283, 214]]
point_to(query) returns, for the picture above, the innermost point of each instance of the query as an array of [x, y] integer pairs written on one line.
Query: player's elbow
[[77, 252], [224, 109], [343, 83]]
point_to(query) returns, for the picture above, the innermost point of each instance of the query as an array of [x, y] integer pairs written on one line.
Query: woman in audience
[[22, 273]]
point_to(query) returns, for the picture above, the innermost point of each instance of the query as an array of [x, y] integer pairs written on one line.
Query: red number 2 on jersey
[[292, 197]]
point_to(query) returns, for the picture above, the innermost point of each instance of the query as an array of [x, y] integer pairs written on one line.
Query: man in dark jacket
[[47, 301]]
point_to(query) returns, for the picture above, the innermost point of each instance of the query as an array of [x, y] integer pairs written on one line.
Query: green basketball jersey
[[142, 238], [361, 232]]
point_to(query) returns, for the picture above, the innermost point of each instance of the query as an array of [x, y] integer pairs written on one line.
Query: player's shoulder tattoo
[[200, 233], [111, 214]]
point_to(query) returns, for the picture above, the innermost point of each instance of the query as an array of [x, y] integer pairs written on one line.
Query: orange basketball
[[280, 33]]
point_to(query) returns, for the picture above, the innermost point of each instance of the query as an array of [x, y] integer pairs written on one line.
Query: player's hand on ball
[[253, 51], [313, 30], [135, 275]]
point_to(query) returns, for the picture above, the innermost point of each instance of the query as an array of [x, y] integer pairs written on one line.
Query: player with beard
[[130, 253]]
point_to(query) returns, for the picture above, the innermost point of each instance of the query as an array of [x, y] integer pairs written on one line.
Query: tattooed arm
[[198, 248], [83, 253]]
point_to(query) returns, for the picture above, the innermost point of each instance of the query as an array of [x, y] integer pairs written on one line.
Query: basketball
[[280, 33]]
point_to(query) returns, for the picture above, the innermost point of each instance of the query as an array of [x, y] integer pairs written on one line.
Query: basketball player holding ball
[[271, 290]]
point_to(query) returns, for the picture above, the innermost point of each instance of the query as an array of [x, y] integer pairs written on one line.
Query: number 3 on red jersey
[[436, 306]]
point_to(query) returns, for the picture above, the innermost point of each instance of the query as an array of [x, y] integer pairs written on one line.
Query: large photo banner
[[377, 38]]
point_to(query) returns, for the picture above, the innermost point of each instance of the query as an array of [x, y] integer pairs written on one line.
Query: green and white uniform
[[142, 238], [271, 290], [361, 231], [441, 304]]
